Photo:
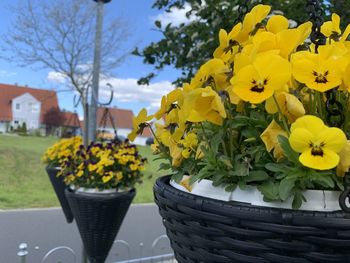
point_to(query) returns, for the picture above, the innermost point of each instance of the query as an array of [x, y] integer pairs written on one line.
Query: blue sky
[[139, 16]]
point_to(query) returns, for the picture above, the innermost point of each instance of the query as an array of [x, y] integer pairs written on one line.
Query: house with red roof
[[37, 108]]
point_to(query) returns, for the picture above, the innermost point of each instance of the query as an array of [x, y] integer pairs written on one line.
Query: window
[[34, 107], [18, 106], [16, 121]]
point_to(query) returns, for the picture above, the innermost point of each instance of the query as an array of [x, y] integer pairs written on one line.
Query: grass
[[23, 179]]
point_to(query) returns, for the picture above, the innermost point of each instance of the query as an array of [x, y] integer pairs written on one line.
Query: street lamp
[[96, 70]]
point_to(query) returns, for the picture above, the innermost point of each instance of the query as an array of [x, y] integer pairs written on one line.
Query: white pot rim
[[98, 191], [317, 200]]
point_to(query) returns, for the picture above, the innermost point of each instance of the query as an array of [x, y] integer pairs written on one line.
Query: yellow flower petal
[[257, 82], [344, 164], [327, 161], [333, 138], [300, 139], [277, 23], [185, 182], [270, 135], [313, 124]]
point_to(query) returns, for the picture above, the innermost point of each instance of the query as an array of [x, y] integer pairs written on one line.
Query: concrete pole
[[96, 72]]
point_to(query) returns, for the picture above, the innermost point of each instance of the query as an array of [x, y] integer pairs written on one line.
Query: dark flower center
[[321, 77], [258, 86], [316, 150]]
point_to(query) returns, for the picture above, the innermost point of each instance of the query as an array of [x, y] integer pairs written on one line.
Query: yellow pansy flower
[[106, 178], [257, 82], [80, 173], [176, 154], [138, 121], [251, 20], [167, 101], [318, 144], [228, 44], [331, 28], [290, 106], [322, 71], [277, 23], [92, 167], [344, 163], [206, 75], [288, 40], [270, 139], [204, 105]]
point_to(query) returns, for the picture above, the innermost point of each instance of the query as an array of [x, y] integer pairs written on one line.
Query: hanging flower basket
[[59, 186], [268, 117], [208, 230], [54, 157], [99, 217]]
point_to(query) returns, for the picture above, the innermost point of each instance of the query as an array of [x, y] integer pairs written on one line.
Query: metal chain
[[335, 111], [316, 14]]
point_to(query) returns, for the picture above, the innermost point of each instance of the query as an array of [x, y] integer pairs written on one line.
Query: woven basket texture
[[59, 187], [99, 217], [206, 230]]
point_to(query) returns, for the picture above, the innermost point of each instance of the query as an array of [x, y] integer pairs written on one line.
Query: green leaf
[[275, 167], [164, 166], [288, 151], [177, 177], [297, 200], [255, 176], [286, 187], [325, 181], [158, 24], [269, 190], [242, 185], [226, 161], [230, 187]]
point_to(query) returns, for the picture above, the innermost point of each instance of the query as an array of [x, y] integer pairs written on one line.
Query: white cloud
[[175, 17], [56, 77], [127, 90]]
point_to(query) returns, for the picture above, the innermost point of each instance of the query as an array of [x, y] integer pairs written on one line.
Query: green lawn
[[23, 180]]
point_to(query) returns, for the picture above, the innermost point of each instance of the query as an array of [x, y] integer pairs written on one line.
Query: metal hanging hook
[[110, 98]]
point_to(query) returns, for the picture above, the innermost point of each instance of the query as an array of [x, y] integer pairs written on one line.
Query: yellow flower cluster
[[104, 165], [259, 61], [61, 150]]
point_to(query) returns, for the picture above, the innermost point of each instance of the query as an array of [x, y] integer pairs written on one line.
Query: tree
[[59, 35], [189, 45], [52, 119]]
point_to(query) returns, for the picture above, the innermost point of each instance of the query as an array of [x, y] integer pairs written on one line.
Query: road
[[45, 229]]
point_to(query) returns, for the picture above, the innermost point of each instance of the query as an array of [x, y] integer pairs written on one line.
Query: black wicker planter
[[206, 230], [59, 187], [99, 217]]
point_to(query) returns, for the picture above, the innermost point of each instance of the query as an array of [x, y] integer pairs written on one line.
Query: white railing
[[52, 254]]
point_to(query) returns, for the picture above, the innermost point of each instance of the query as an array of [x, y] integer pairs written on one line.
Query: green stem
[[204, 133], [154, 135], [284, 121]]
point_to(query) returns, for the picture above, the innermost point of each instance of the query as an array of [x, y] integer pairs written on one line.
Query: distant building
[[20, 105], [122, 120], [37, 108]]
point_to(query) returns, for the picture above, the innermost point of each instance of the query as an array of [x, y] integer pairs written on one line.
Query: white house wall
[[139, 140], [26, 108], [3, 126]]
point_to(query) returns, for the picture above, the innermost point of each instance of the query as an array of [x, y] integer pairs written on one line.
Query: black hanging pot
[[59, 187], [99, 217], [206, 230]]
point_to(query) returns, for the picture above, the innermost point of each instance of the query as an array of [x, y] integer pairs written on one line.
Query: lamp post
[[96, 71]]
